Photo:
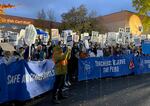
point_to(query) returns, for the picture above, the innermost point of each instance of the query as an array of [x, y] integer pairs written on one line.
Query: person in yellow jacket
[[61, 60]]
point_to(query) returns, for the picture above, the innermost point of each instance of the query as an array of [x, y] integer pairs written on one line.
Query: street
[[121, 91]]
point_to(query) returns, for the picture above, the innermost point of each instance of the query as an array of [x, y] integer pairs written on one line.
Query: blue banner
[[3, 84], [91, 68], [143, 64], [24, 80], [146, 47]]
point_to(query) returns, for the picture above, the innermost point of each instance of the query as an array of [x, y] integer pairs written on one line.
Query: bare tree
[[51, 15], [41, 15]]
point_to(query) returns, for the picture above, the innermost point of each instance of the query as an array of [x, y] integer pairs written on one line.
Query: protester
[[73, 63], [100, 52], [26, 53], [107, 52], [9, 58], [83, 53], [49, 50], [1, 51], [60, 60]]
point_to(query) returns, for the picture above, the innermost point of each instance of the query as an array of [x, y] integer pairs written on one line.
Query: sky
[[30, 8]]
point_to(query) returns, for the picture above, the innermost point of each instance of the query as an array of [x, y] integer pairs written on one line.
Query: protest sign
[[122, 38], [65, 34], [143, 37], [82, 37], [21, 34], [7, 47], [22, 81], [86, 44], [21, 37], [137, 41], [127, 38], [55, 34], [86, 36], [94, 37], [148, 36], [111, 38], [69, 40], [30, 35], [75, 37], [105, 67]]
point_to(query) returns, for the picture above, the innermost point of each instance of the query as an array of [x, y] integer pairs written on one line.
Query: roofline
[[118, 12]]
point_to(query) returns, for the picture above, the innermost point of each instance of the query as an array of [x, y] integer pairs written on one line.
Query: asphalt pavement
[[121, 91]]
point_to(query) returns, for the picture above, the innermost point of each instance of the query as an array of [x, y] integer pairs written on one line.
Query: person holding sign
[[61, 60]]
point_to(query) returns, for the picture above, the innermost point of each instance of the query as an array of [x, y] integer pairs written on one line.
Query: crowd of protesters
[[40, 51]]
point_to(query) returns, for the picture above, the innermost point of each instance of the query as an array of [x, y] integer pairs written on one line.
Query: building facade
[[118, 21], [15, 23], [10, 26]]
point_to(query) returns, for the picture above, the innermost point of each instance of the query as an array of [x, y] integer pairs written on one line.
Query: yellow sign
[[135, 25], [14, 21]]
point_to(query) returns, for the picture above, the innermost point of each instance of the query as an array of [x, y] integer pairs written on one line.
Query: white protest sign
[[55, 34], [68, 37], [100, 53], [143, 37], [111, 38], [82, 37], [64, 37], [148, 36], [75, 37], [86, 36], [122, 37], [30, 35], [21, 34], [137, 41], [121, 30], [95, 36], [69, 40], [127, 38], [86, 44], [45, 38], [104, 39]]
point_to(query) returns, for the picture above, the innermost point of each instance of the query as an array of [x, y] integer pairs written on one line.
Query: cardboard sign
[[7, 47]]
